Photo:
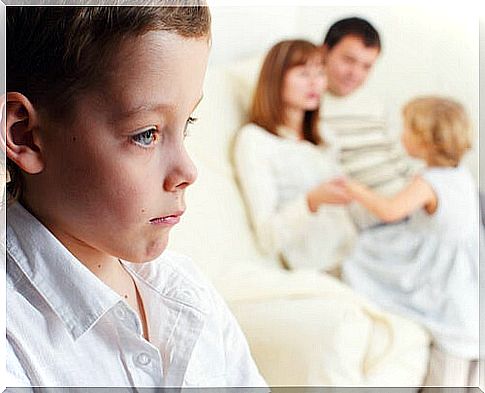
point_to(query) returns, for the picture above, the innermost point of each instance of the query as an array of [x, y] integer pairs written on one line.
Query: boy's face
[[115, 176]]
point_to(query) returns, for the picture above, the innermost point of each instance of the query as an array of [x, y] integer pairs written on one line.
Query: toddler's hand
[[346, 186], [329, 192], [339, 189], [339, 181], [352, 186]]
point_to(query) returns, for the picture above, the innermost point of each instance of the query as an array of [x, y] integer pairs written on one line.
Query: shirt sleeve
[[434, 180], [274, 225]]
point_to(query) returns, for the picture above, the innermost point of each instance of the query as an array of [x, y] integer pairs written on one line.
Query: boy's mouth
[[171, 219]]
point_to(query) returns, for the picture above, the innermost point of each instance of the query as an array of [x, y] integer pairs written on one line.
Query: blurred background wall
[[426, 50]]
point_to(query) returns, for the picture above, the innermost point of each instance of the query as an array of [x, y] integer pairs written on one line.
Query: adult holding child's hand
[[328, 192], [286, 170]]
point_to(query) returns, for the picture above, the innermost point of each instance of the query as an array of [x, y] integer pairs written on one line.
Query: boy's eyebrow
[[153, 108], [143, 108]]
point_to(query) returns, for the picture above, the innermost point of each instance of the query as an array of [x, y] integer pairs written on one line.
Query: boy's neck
[[105, 267], [110, 270]]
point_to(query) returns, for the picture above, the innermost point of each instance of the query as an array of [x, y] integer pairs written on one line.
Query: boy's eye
[[146, 137], [190, 120]]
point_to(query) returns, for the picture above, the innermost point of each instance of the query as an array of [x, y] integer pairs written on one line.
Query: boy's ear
[[21, 139]]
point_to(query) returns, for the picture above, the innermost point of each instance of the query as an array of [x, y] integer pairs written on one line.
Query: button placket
[[124, 314], [146, 365], [142, 359]]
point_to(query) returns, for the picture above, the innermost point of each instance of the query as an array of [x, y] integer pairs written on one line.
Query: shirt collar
[[174, 278], [57, 275]]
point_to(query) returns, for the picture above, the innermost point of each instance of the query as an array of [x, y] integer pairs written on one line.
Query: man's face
[[348, 64], [115, 175]]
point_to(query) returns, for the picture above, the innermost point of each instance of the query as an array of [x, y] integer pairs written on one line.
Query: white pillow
[[244, 76]]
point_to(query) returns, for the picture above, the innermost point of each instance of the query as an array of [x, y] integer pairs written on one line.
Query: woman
[[286, 171]]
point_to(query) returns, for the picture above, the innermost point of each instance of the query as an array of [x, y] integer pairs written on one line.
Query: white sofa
[[304, 327]]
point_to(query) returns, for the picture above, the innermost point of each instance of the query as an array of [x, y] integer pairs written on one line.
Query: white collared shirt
[[65, 327]]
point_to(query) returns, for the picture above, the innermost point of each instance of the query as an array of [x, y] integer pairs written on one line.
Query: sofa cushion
[[244, 76]]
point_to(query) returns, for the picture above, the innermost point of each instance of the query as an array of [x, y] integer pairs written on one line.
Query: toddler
[[98, 103], [422, 261]]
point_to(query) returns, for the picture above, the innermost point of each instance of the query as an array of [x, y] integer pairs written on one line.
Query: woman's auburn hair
[[267, 109], [442, 126]]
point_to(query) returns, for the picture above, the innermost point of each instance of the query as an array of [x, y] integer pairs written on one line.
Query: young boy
[[98, 102]]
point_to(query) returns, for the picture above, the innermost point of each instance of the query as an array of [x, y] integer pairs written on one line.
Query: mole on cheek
[[74, 139], [143, 210]]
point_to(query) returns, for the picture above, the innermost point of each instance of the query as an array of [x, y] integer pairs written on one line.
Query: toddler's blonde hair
[[442, 126]]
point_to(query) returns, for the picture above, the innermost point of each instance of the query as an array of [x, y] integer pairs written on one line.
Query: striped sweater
[[357, 127]]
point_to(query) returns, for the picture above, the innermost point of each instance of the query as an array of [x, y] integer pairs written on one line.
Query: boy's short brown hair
[[443, 127], [54, 53]]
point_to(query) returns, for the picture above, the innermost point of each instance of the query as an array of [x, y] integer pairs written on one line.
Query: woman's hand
[[329, 192]]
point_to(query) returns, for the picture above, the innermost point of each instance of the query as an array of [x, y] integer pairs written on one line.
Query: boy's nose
[[182, 173]]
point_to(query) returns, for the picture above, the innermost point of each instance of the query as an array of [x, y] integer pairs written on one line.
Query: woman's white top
[[275, 174], [65, 327], [426, 267]]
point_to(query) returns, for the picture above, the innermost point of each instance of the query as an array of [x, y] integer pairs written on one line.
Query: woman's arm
[[276, 225], [258, 185], [414, 196]]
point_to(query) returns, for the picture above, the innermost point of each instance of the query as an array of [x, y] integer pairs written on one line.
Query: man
[[354, 118], [351, 47]]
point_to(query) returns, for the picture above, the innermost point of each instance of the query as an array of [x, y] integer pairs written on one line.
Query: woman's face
[[304, 84]]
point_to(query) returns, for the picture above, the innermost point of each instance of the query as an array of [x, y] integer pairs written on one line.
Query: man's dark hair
[[356, 27]]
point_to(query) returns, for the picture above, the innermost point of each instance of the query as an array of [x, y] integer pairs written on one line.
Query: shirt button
[[142, 359]]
